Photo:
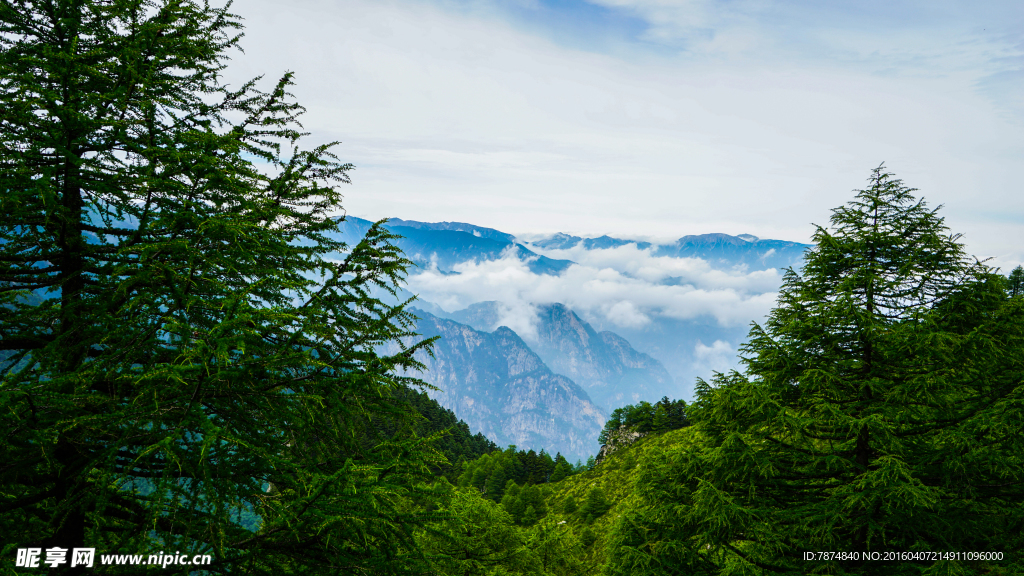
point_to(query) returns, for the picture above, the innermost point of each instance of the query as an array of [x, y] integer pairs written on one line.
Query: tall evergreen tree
[[181, 351], [880, 412], [660, 422], [1016, 281], [494, 487]]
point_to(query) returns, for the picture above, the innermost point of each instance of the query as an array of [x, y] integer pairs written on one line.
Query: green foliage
[[594, 506], [529, 517], [558, 549], [615, 476], [879, 411], [534, 495], [660, 422], [495, 484], [645, 417], [587, 537], [491, 472], [183, 356], [525, 504], [478, 479], [477, 536], [511, 501]]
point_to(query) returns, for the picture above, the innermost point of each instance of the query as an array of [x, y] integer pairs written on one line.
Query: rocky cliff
[[619, 438], [500, 387], [605, 364]]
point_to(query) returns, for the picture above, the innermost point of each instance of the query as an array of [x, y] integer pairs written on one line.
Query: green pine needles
[[880, 411], [183, 367]]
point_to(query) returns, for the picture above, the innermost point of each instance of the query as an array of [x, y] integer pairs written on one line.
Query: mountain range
[[540, 373], [445, 244], [721, 250], [442, 245]]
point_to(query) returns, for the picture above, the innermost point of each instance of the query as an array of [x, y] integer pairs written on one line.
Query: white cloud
[[719, 357], [520, 316], [625, 313], [642, 264], [622, 298]]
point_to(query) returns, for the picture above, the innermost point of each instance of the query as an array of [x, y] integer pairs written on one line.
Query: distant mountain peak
[[559, 241], [478, 231], [715, 238], [720, 250]]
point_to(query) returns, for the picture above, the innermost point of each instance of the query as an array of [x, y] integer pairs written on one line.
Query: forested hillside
[[533, 514]]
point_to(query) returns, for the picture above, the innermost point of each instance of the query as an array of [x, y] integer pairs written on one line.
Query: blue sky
[[658, 118]]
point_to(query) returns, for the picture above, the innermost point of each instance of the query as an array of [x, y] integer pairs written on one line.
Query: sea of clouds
[[627, 290], [624, 286]]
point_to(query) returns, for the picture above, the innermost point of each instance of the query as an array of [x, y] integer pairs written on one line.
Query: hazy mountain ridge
[[732, 250], [722, 250], [445, 244], [500, 387], [478, 231], [448, 243], [562, 241]]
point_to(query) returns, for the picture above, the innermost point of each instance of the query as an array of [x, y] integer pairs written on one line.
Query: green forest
[[183, 369]]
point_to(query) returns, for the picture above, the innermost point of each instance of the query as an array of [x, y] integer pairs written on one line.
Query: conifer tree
[[569, 506], [595, 505], [880, 411], [557, 549], [560, 472], [1016, 281], [512, 501], [182, 353], [533, 495], [529, 516], [495, 484], [511, 489], [587, 537], [660, 422], [478, 477]]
